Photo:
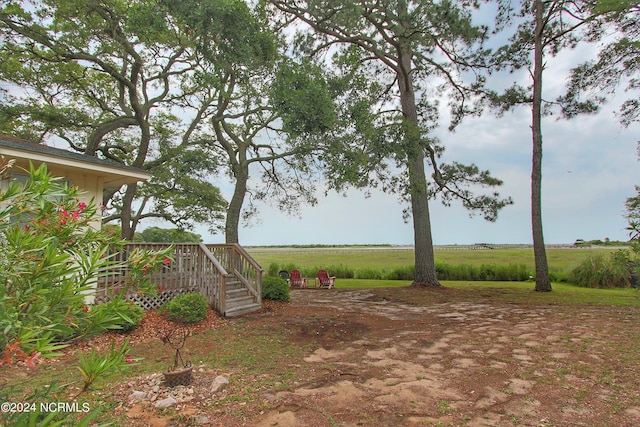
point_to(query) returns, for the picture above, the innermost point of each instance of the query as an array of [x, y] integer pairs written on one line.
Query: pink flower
[[82, 206], [167, 261], [63, 222], [30, 361], [76, 215], [129, 359]]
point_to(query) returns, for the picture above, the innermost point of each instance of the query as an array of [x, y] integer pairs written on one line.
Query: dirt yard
[[406, 357], [398, 363]]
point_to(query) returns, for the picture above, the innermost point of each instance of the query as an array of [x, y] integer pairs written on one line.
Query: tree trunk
[[232, 223], [425, 266], [128, 229], [543, 283]]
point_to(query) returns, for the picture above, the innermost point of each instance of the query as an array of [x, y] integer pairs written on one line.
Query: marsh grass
[[560, 259], [396, 263]]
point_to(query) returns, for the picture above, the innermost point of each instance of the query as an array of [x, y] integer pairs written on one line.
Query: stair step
[[234, 293], [240, 300], [242, 309], [234, 284]]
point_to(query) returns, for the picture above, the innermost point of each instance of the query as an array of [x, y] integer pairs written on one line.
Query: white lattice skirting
[[149, 302]]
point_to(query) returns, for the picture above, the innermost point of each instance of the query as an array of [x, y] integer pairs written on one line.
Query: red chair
[[324, 280], [296, 280]]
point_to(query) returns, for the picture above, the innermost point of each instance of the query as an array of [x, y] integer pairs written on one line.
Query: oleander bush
[[51, 259], [131, 315]]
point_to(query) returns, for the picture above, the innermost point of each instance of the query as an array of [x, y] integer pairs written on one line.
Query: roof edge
[[26, 146]]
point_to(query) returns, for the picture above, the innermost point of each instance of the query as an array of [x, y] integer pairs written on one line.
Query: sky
[[590, 167]]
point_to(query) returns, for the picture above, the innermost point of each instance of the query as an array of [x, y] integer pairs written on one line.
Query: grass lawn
[[514, 292]]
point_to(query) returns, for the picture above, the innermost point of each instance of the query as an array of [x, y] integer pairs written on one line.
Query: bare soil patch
[[408, 357], [396, 361]]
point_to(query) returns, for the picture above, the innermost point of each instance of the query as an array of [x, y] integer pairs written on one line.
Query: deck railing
[[235, 259], [194, 269]]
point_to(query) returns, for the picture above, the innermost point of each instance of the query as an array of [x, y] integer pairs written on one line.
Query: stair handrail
[[222, 274], [232, 256], [254, 288], [247, 257], [212, 258]]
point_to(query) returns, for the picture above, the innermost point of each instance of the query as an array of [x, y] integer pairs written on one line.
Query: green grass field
[[561, 261], [512, 292]]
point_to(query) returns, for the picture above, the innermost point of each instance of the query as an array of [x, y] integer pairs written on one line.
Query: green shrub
[[339, 271], [484, 272], [558, 277], [125, 314], [187, 308], [597, 271], [275, 288], [445, 271], [273, 269]]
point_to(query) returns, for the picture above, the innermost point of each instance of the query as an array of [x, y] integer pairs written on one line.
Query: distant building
[[90, 174]]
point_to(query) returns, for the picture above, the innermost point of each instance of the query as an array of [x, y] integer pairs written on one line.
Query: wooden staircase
[[238, 299], [228, 277]]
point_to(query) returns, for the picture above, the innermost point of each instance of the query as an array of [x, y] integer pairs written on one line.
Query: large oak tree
[[253, 87], [181, 89], [106, 77]]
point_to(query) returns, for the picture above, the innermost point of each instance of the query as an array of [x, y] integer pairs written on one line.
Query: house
[[226, 274], [90, 174]]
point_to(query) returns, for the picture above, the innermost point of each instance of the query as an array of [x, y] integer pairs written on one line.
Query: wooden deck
[[229, 278]]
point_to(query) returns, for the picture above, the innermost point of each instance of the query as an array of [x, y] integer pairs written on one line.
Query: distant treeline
[[315, 246], [606, 242]]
